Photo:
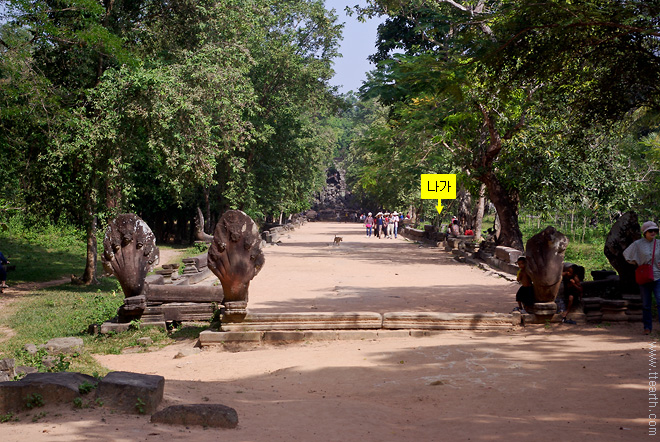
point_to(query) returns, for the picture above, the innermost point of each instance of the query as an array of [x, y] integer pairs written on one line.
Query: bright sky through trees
[[358, 43]]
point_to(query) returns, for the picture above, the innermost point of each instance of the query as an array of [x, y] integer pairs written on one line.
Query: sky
[[359, 42]]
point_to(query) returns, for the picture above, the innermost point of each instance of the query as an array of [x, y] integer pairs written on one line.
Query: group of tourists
[[453, 229], [383, 224]]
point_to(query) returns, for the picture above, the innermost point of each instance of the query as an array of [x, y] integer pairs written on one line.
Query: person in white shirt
[[645, 251]]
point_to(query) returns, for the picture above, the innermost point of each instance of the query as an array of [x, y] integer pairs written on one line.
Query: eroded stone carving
[[545, 258], [623, 233], [130, 252], [235, 257], [199, 228]]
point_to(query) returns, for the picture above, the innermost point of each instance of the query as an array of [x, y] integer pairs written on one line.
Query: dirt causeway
[[534, 383]]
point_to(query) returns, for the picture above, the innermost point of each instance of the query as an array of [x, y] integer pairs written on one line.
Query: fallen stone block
[[507, 254], [37, 389], [31, 349], [145, 341], [7, 371], [116, 327], [207, 415], [23, 370], [187, 352], [155, 280], [63, 345], [131, 392]]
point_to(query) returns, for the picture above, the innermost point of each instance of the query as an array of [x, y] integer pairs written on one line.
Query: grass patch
[[42, 253], [68, 310], [45, 253]]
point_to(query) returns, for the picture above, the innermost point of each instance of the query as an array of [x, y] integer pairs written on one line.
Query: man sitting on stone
[[572, 286], [454, 229]]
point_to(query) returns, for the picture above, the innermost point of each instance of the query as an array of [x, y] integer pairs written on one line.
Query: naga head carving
[[545, 261], [130, 252], [235, 255]]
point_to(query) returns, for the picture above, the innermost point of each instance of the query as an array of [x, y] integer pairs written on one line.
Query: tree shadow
[[477, 385]]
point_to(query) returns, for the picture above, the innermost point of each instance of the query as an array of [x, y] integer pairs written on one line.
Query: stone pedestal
[[634, 310], [544, 310], [234, 312], [592, 309], [614, 310]]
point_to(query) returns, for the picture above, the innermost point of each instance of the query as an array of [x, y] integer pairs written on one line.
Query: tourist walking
[[386, 224], [379, 224], [390, 225], [644, 255], [395, 223], [369, 223]]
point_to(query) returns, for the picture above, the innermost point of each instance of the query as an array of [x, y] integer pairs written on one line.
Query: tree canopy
[[160, 107], [528, 98]]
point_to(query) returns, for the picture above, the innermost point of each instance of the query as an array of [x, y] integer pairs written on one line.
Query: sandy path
[[306, 272], [573, 383]]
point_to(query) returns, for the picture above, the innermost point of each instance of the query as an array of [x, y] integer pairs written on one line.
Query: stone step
[[445, 321], [306, 321]]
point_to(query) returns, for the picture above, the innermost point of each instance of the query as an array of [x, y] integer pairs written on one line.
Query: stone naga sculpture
[[200, 235], [623, 233], [545, 262], [130, 252], [235, 257]]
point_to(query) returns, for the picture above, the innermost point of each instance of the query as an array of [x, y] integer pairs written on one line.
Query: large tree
[[486, 71], [159, 106]]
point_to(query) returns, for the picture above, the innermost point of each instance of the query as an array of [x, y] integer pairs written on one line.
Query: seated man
[[572, 291], [454, 229]]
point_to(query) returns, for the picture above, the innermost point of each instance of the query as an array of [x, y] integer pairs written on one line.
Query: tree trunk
[[479, 216], [89, 275], [506, 204], [464, 202], [207, 227]]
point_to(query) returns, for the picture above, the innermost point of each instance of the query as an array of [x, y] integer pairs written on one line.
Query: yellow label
[[438, 186]]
